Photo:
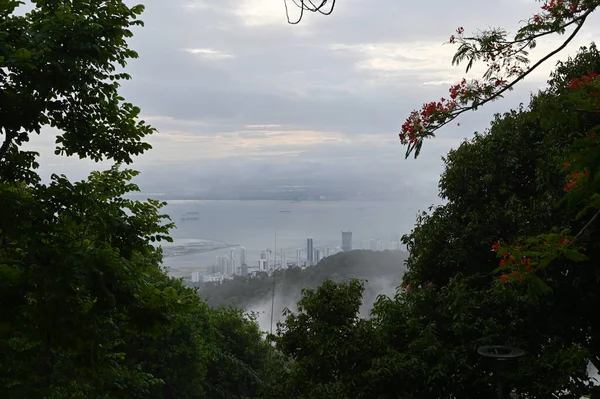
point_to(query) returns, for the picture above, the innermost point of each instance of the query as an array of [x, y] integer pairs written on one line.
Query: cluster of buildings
[[377, 245], [236, 264]]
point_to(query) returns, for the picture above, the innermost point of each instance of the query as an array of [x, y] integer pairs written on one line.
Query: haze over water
[[254, 224]]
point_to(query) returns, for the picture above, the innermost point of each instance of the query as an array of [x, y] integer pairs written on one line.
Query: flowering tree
[[507, 63]]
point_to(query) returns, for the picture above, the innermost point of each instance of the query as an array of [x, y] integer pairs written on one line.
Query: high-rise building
[[317, 256], [309, 250], [283, 258], [223, 264], [262, 265], [373, 245], [346, 241], [232, 263], [242, 255], [196, 277], [263, 262], [242, 259], [395, 243], [298, 256]]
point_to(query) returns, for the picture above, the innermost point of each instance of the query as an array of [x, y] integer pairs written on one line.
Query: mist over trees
[[381, 272]]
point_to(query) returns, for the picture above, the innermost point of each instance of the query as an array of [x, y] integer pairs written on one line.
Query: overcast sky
[[236, 91]]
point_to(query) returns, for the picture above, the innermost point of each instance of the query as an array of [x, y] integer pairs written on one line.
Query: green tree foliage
[[330, 346], [241, 355], [59, 67], [506, 183], [86, 310]]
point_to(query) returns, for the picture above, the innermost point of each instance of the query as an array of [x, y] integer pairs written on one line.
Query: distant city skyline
[[232, 265]]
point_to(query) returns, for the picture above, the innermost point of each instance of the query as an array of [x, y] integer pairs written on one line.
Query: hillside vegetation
[[380, 270]]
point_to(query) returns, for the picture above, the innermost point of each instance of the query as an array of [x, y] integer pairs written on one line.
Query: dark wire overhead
[[324, 7]]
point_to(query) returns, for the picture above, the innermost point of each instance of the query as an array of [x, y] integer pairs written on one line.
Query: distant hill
[[382, 269]]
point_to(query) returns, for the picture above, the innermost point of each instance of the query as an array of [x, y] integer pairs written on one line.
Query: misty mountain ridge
[[381, 270]]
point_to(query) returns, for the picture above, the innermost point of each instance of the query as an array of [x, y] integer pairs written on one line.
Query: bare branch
[[588, 224], [308, 5]]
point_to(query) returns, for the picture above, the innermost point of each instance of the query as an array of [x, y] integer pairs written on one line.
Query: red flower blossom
[[496, 246], [570, 185]]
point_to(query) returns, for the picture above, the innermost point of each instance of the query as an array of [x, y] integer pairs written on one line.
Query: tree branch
[[524, 74], [6, 144], [588, 224]]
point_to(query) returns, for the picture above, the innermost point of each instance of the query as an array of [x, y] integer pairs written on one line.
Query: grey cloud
[[304, 78]]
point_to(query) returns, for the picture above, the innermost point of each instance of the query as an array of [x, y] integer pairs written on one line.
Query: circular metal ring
[[500, 352]]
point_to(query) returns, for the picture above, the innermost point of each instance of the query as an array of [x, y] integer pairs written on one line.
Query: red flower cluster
[[566, 8], [557, 10], [590, 84], [437, 113], [459, 31], [419, 122], [549, 5], [496, 246], [591, 79], [505, 278], [463, 91], [504, 63], [510, 259], [573, 178]]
